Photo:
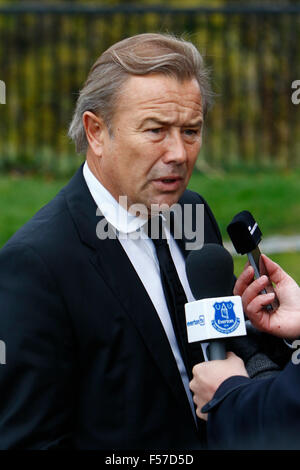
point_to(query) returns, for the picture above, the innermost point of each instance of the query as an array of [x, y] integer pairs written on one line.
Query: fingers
[[195, 386], [244, 280], [275, 272], [253, 290], [208, 376], [254, 302], [201, 415], [257, 305], [234, 360], [247, 287], [231, 355]]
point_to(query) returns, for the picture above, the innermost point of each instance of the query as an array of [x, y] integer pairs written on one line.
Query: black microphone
[[216, 313], [245, 235]]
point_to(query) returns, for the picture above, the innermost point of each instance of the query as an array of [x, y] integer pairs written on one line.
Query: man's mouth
[[170, 183], [168, 180]]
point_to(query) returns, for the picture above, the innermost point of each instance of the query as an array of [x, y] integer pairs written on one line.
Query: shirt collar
[[114, 213]]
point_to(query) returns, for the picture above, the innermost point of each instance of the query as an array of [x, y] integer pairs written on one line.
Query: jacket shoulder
[[212, 232]]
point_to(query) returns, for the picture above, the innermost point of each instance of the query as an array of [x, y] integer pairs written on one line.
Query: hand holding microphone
[[285, 321], [214, 316], [245, 235], [269, 311], [208, 376]]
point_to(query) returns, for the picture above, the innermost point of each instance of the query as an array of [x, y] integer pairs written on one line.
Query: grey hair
[[138, 55]]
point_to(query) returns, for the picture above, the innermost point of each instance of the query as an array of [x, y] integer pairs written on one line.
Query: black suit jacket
[[257, 414], [88, 364]]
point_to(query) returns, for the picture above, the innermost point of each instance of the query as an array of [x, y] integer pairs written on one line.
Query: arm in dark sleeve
[[256, 414], [36, 378]]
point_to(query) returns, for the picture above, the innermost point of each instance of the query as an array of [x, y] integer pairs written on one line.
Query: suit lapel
[[114, 266]]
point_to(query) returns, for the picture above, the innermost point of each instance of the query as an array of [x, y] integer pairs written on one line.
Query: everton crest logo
[[225, 320]]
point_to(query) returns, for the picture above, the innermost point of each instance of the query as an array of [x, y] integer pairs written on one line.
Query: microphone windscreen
[[210, 272], [244, 232]]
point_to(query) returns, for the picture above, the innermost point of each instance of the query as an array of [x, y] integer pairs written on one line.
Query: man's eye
[[155, 130], [191, 132]]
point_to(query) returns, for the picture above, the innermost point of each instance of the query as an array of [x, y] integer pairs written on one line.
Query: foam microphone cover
[[210, 272], [240, 229]]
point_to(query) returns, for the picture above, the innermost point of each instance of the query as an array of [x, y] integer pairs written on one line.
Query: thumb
[[274, 271], [231, 355]]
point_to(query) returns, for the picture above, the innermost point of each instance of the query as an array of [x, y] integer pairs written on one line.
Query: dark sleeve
[[256, 414], [36, 378]]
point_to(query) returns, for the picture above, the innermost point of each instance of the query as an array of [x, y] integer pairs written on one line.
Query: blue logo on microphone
[[225, 320]]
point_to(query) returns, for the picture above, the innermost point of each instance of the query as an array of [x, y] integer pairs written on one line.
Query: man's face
[[156, 137]]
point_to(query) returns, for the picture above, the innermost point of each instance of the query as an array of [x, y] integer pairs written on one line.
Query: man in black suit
[[92, 357], [263, 414]]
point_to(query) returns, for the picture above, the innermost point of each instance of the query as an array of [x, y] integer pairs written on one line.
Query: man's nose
[[175, 148]]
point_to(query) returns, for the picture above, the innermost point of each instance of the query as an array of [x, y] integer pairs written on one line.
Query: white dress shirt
[[142, 254]]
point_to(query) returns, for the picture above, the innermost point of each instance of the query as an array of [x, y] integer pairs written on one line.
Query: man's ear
[[94, 129]]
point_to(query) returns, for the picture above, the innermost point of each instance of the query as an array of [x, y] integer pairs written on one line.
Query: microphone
[[245, 235], [216, 314]]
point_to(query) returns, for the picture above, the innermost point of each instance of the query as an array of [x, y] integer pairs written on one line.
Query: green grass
[[272, 197], [20, 198]]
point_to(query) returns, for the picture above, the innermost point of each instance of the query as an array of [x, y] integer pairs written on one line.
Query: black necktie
[[175, 298]]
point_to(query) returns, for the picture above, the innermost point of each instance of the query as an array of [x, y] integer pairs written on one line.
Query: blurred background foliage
[[46, 52], [251, 149]]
